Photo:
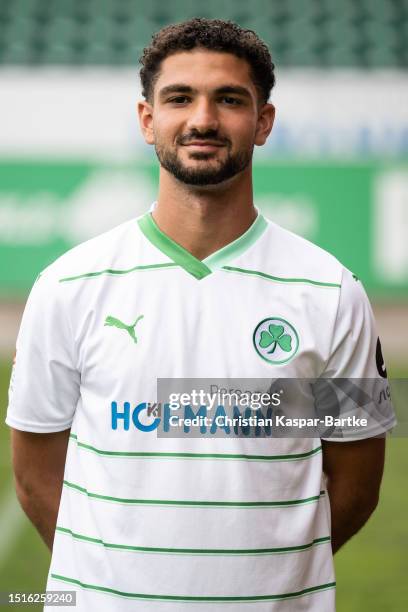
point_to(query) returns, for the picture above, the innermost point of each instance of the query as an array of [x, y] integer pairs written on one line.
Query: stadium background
[[72, 164]]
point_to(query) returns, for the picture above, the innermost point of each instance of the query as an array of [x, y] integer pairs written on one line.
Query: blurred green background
[[335, 170]]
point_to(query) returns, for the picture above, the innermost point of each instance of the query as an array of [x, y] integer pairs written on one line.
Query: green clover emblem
[[275, 340], [275, 337]]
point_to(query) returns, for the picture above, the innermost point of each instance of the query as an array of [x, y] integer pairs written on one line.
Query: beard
[[210, 175]]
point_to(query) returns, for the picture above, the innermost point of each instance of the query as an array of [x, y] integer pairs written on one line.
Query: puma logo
[[114, 322]]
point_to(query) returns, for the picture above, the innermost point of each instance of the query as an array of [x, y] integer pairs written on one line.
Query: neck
[[204, 219]]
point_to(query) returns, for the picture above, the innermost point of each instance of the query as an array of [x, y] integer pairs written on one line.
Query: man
[[200, 287]]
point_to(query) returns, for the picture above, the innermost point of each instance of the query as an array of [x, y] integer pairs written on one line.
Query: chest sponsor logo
[[276, 340], [130, 329]]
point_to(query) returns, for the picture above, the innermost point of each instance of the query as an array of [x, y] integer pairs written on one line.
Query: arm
[[354, 471], [38, 463]]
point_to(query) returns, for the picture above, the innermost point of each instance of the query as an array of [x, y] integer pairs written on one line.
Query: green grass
[[371, 568]]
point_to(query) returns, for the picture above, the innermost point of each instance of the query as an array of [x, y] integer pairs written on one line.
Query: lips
[[205, 146], [204, 143]]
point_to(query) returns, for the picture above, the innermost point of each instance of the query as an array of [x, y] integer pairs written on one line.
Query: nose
[[203, 116]]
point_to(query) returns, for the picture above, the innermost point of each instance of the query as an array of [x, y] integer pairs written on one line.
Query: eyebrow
[[224, 89]]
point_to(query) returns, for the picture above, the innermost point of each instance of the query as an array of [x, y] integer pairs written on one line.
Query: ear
[[264, 125], [145, 111]]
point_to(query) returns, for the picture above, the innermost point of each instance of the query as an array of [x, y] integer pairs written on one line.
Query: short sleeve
[[355, 369], [44, 385]]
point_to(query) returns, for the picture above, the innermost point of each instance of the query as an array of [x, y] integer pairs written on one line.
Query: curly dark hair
[[212, 34]]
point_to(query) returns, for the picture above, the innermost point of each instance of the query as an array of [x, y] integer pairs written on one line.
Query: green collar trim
[[170, 248], [182, 257], [238, 246]]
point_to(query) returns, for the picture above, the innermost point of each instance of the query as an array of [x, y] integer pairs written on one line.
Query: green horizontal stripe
[[148, 455], [192, 503], [112, 272], [196, 551], [280, 279], [188, 598]]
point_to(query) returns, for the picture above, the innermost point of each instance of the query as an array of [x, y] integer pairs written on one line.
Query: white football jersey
[[205, 523]]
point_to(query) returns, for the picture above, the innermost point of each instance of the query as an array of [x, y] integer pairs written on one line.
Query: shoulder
[[301, 259], [112, 249], [300, 254], [288, 256]]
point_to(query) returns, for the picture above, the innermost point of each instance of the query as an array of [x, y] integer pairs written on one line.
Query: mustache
[[211, 135]]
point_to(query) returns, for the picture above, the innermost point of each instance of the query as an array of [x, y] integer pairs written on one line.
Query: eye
[[178, 100], [230, 101]]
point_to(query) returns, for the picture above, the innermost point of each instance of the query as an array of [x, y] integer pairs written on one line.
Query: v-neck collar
[[200, 269]]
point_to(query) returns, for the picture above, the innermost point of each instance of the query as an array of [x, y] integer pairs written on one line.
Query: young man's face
[[205, 116]]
